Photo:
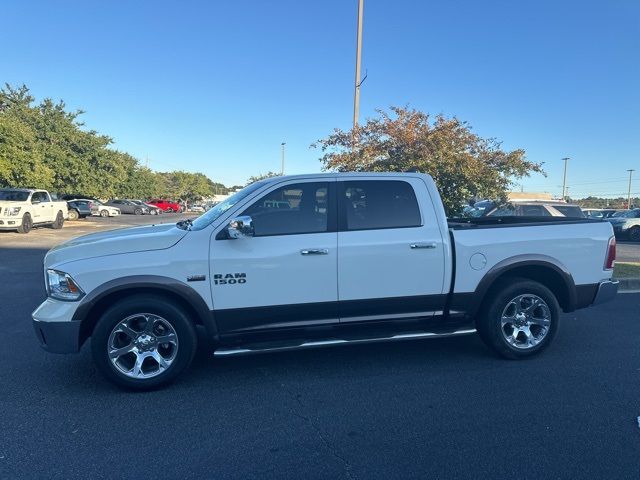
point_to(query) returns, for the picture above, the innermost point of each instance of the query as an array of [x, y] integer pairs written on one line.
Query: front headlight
[[12, 211], [61, 286]]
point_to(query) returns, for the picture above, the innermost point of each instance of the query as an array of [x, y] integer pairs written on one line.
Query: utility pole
[[631, 170], [356, 97], [564, 180], [282, 164]]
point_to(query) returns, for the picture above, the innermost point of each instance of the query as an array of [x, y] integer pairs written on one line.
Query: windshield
[[206, 219], [628, 214], [13, 195]]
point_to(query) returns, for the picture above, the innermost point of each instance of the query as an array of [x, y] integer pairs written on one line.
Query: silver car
[[127, 206]]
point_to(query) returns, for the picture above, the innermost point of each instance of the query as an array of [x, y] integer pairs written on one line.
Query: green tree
[[21, 160], [463, 164], [45, 145]]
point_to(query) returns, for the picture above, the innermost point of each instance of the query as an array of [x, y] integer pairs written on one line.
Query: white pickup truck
[[311, 260], [21, 209]]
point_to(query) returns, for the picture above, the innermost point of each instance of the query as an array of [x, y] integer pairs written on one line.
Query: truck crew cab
[[323, 259]]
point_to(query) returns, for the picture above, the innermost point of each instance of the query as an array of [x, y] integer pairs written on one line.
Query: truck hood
[[125, 240]]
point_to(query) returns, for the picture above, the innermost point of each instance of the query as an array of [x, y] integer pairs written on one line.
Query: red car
[[166, 205]]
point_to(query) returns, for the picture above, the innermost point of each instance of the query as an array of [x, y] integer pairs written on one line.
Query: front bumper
[[10, 223], [54, 327], [607, 291]]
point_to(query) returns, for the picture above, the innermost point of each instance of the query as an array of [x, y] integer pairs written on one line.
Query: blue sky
[[216, 86]]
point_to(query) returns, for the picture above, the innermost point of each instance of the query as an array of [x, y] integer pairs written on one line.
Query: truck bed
[[577, 246]]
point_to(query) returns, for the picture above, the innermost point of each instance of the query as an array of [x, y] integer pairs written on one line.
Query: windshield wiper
[[185, 224]]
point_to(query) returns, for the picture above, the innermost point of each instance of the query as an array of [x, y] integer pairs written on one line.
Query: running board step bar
[[337, 341]]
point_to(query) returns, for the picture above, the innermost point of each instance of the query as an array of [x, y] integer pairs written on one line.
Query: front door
[[391, 256], [285, 275]]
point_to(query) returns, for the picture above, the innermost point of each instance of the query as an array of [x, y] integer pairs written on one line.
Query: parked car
[[153, 210], [79, 209], [627, 224], [535, 209], [197, 208], [598, 212], [618, 213], [260, 277], [127, 206], [103, 210], [21, 209], [166, 205]]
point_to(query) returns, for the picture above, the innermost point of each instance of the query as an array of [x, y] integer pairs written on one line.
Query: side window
[[293, 209], [38, 197], [376, 204], [534, 211]]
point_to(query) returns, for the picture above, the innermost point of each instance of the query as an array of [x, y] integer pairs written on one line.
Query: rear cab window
[[377, 204]]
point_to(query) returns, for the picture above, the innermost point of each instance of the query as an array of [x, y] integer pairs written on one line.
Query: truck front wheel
[[519, 319], [143, 342], [26, 225]]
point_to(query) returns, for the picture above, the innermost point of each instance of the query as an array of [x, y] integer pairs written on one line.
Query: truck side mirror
[[240, 227]]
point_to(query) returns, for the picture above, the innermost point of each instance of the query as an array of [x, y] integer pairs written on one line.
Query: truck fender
[[555, 274], [101, 297]]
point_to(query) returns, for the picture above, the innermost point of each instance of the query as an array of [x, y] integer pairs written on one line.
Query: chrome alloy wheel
[[142, 345], [525, 321]]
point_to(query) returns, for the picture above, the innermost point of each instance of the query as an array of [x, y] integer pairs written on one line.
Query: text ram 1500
[[22, 209], [341, 258]]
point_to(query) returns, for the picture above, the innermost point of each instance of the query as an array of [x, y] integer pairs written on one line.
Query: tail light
[[611, 254]]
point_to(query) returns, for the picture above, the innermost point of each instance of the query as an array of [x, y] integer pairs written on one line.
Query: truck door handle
[[314, 251], [423, 245]]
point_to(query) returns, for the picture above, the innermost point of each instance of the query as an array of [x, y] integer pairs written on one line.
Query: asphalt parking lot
[[628, 251], [445, 408]]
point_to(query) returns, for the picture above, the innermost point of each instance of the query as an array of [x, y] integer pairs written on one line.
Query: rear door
[[391, 255], [286, 274]]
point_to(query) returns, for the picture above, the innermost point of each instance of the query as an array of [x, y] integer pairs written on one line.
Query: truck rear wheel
[[143, 342], [27, 224], [58, 222], [519, 319]]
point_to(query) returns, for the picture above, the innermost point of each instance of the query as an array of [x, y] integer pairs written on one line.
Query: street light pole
[[356, 97], [564, 180], [282, 161], [631, 170]]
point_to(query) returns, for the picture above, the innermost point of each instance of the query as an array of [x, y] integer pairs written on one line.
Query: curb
[[629, 284]]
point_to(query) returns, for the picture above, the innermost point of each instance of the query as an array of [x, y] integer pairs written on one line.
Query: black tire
[[104, 213], [169, 210], [634, 234], [59, 222], [148, 304], [74, 214], [137, 211], [27, 224], [500, 298]]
